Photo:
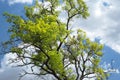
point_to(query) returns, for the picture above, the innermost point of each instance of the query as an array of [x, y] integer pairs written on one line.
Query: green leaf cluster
[[55, 62]]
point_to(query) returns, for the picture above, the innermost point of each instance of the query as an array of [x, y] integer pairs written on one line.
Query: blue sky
[[103, 24]]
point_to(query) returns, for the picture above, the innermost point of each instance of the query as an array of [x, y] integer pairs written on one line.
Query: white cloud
[[20, 1], [10, 72], [104, 22], [6, 72]]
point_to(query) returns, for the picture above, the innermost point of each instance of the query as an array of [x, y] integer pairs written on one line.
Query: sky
[[103, 25]]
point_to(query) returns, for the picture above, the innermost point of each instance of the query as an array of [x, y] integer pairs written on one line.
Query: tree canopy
[[56, 50]]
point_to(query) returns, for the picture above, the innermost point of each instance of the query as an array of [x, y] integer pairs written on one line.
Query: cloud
[[20, 1], [8, 72], [11, 71], [103, 23]]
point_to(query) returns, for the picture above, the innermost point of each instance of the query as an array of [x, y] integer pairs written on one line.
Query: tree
[[56, 50]]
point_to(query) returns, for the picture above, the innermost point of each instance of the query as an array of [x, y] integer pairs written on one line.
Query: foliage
[[56, 50]]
